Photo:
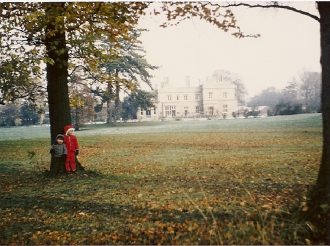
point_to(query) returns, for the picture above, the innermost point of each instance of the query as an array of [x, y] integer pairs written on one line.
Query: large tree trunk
[[321, 195], [57, 71]]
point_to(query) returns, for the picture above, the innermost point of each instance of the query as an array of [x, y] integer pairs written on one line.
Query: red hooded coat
[[72, 146]]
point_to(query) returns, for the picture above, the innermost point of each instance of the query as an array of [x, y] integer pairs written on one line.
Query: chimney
[[165, 82]]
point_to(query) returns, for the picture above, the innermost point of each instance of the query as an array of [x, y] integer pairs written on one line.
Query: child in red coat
[[72, 147]]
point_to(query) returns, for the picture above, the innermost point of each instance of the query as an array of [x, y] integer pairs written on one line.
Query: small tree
[[139, 99], [81, 101], [268, 97], [10, 115], [29, 114]]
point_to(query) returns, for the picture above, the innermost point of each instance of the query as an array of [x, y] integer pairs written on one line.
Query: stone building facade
[[215, 98]]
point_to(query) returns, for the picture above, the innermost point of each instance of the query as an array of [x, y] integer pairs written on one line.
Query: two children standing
[[65, 150]]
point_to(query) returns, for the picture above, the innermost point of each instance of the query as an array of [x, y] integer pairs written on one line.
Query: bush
[[288, 108]]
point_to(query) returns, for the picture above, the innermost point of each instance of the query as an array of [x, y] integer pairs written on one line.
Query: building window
[[173, 111], [210, 111], [155, 111], [169, 97], [170, 111], [177, 98], [148, 113], [185, 97], [225, 108], [197, 96], [185, 111], [225, 95], [210, 95], [141, 112], [197, 109]]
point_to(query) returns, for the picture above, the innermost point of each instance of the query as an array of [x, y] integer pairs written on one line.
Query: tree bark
[[321, 193], [57, 71]]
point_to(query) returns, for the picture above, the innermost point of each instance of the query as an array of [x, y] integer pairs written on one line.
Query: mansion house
[[215, 98]]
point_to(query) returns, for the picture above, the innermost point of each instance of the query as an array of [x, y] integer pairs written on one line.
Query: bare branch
[[268, 6], [85, 69]]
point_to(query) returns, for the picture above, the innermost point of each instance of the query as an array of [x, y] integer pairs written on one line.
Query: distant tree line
[[17, 115], [303, 96], [88, 106], [85, 107]]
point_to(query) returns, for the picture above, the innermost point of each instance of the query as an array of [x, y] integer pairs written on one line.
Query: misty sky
[[289, 44]]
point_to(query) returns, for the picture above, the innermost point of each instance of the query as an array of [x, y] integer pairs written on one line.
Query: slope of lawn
[[241, 181]]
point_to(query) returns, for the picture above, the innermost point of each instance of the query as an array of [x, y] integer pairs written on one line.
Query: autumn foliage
[[212, 182]]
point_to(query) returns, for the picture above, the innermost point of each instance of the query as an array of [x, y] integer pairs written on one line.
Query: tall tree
[[310, 90], [320, 198], [54, 33], [57, 69], [127, 70], [322, 190]]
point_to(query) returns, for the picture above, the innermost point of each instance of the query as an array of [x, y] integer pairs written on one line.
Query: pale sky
[[289, 44]]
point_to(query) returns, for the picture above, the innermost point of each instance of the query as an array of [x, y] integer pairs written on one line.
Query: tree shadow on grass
[[12, 168], [58, 205], [97, 222], [93, 216]]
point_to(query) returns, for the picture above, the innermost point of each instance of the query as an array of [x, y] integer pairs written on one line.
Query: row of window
[[197, 96], [185, 97], [210, 110], [198, 109], [224, 95], [171, 110], [148, 112]]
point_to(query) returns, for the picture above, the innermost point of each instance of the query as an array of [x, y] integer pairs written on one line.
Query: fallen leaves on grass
[[170, 188]]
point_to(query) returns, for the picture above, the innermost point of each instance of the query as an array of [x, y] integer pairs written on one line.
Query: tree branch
[[268, 6]]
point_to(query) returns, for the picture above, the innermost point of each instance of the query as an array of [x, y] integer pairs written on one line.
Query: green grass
[[188, 182]]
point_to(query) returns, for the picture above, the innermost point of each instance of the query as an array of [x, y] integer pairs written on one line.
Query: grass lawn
[[239, 181]]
